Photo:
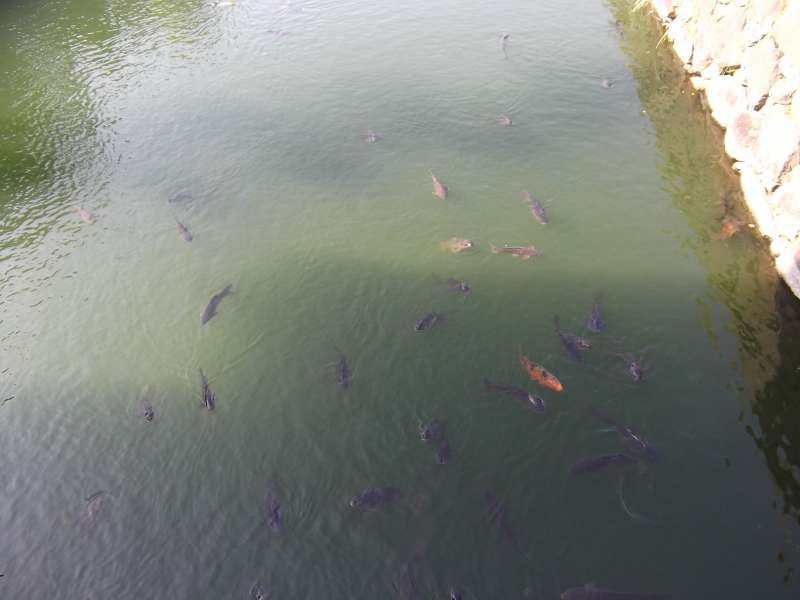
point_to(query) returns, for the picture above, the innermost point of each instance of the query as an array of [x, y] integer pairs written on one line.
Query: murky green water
[[252, 116]]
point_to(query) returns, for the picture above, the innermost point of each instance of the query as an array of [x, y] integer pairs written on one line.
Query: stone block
[[726, 98], [742, 136], [782, 92], [681, 41], [760, 69], [778, 147], [786, 32], [664, 8]]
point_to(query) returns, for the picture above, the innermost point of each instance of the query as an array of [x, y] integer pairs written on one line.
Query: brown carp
[[439, 189], [211, 308], [183, 231], [524, 252]]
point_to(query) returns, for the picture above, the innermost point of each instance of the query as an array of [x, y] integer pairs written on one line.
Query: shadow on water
[[764, 314]]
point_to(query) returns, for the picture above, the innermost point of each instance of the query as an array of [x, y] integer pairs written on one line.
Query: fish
[[456, 244], [592, 592], [504, 120], [406, 584], [372, 137], [595, 320], [455, 594], [374, 498], [431, 431], [524, 252], [443, 453], [569, 342], [149, 414], [635, 441], [730, 227], [531, 401], [86, 215], [439, 189], [211, 309], [633, 366], [209, 397], [427, 322], [272, 510], [183, 231], [259, 592], [455, 285], [343, 373], [591, 464], [95, 504], [606, 83], [539, 374], [537, 210], [180, 197], [504, 43], [497, 516]]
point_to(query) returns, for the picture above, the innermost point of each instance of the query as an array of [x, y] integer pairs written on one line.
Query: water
[[253, 117]]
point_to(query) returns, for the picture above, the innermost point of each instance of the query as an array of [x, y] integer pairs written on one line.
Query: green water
[[254, 116]]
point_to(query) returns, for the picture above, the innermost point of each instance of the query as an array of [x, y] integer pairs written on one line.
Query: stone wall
[[745, 55]]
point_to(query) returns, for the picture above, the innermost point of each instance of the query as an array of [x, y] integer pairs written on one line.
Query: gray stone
[[786, 32], [742, 135], [760, 68], [726, 98], [778, 147]]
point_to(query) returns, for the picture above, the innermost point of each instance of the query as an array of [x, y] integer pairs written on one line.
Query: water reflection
[[765, 315]]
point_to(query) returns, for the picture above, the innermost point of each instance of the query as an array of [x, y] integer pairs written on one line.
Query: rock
[[789, 69], [785, 31], [664, 8], [766, 11], [725, 34], [680, 41], [785, 205], [742, 135], [726, 98], [778, 147], [782, 92], [760, 68]]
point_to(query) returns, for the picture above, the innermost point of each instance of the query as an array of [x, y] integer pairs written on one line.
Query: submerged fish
[[211, 309], [259, 592], [606, 83], [95, 504], [537, 210], [427, 322], [209, 397], [595, 463], [372, 137], [569, 342], [504, 120], [272, 510], [431, 431], [629, 436], [86, 215], [592, 592], [504, 43], [730, 226], [439, 189], [595, 320], [374, 498], [497, 515], [183, 231], [443, 453], [531, 401], [148, 412], [455, 594], [406, 584], [633, 366], [539, 374], [524, 252], [457, 285], [343, 374], [456, 244]]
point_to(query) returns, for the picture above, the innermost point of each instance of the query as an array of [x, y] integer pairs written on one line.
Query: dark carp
[[568, 342], [629, 437], [272, 510], [524, 252], [431, 431], [374, 498], [209, 398], [183, 231], [633, 367], [211, 309], [455, 594], [343, 373], [427, 322], [497, 516], [530, 401], [592, 592], [443, 453], [406, 585], [95, 504], [537, 210], [260, 592], [595, 320], [595, 463]]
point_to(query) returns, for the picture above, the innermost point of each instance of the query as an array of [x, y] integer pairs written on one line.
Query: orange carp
[[539, 374]]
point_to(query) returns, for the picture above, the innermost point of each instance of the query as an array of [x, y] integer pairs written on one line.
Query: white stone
[[680, 41], [778, 147], [782, 92], [741, 136], [664, 8], [760, 70], [756, 197], [726, 98], [786, 32]]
